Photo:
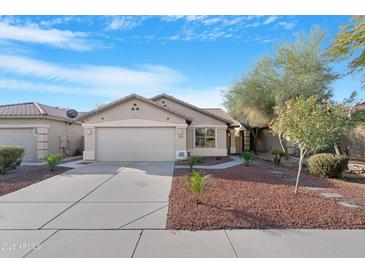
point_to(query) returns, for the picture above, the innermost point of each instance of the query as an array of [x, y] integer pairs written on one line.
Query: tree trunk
[[337, 149], [302, 154], [254, 134], [284, 148]]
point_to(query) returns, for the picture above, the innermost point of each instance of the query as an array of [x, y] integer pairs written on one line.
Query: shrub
[[196, 183], [327, 165], [53, 160], [10, 158], [192, 160], [247, 156], [278, 154], [218, 158]]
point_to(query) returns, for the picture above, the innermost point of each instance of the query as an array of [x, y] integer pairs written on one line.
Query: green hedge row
[[327, 165], [10, 158]]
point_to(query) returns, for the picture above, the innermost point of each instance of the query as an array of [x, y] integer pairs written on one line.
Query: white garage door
[[135, 144], [22, 137]]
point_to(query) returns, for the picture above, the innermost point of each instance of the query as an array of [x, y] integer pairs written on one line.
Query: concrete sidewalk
[[120, 210], [167, 244]]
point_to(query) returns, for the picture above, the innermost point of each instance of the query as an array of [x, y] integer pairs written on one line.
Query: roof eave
[[191, 106], [135, 96]]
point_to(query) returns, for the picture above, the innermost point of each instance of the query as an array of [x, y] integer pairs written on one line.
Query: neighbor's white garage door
[[22, 137], [135, 144]]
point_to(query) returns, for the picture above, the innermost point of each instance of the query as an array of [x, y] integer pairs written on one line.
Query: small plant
[[53, 160], [10, 158], [247, 156], [278, 154], [218, 158], [327, 165], [196, 183], [192, 160]]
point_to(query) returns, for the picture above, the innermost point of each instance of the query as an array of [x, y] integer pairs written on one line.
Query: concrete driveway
[[95, 196], [119, 210]]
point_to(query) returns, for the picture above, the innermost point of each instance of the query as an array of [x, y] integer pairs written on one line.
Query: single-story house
[[161, 128], [40, 129]]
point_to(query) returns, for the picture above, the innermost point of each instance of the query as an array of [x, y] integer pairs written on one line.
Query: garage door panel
[[135, 144], [19, 137]]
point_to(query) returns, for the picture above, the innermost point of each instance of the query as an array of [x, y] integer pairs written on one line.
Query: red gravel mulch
[[254, 198], [208, 161], [24, 176]]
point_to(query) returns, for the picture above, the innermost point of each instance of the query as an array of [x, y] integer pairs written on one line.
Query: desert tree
[[350, 43], [345, 117], [299, 68], [308, 123]]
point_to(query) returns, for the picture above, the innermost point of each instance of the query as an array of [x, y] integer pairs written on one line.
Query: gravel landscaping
[[255, 198], [24, 176], [208, 161]]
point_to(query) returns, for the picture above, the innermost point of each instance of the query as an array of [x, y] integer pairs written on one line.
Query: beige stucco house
[[161, 128], [40, 129]]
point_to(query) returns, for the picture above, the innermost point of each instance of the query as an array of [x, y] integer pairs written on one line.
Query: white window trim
[[215, 138]]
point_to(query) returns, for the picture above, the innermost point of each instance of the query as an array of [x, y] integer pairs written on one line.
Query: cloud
[[107, 79], [56, 21], [270, 19], [124, 22], [211, 21], [287, 25], [31, 33], [23, 74]]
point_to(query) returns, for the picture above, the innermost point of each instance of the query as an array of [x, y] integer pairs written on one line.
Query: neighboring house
[[162, 128], [40, 129]]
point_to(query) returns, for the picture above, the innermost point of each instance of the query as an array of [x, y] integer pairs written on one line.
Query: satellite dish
[[72, 113]]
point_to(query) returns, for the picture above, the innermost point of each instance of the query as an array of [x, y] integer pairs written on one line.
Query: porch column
[[42, 142], [181, 153], [233, 149], [89, 140], [247, 140]]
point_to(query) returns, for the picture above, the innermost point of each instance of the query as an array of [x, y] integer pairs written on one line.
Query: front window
[[205, 137]]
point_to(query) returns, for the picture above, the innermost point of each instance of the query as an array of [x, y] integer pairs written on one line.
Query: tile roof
[[222, 113], [33, 109]]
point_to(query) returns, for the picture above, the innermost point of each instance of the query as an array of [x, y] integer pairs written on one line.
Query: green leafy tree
[[307, 123], [350, 43], [344, 118], [301, 68]]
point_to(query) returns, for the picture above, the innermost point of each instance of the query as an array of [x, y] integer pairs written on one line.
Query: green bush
[[196, 183], [10, 158], [277, 153], [53, 160], [247, 156], [327, 165], [192, 160]]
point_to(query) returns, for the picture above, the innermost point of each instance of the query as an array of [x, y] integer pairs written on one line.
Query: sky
[[84, 61]]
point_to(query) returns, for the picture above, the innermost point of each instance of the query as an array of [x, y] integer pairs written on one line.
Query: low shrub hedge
[[327, 165], [10, 158], [52, 161]]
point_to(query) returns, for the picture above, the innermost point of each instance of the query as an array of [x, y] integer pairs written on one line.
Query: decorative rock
[[348, 205], [332, 195], [315, 188]]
